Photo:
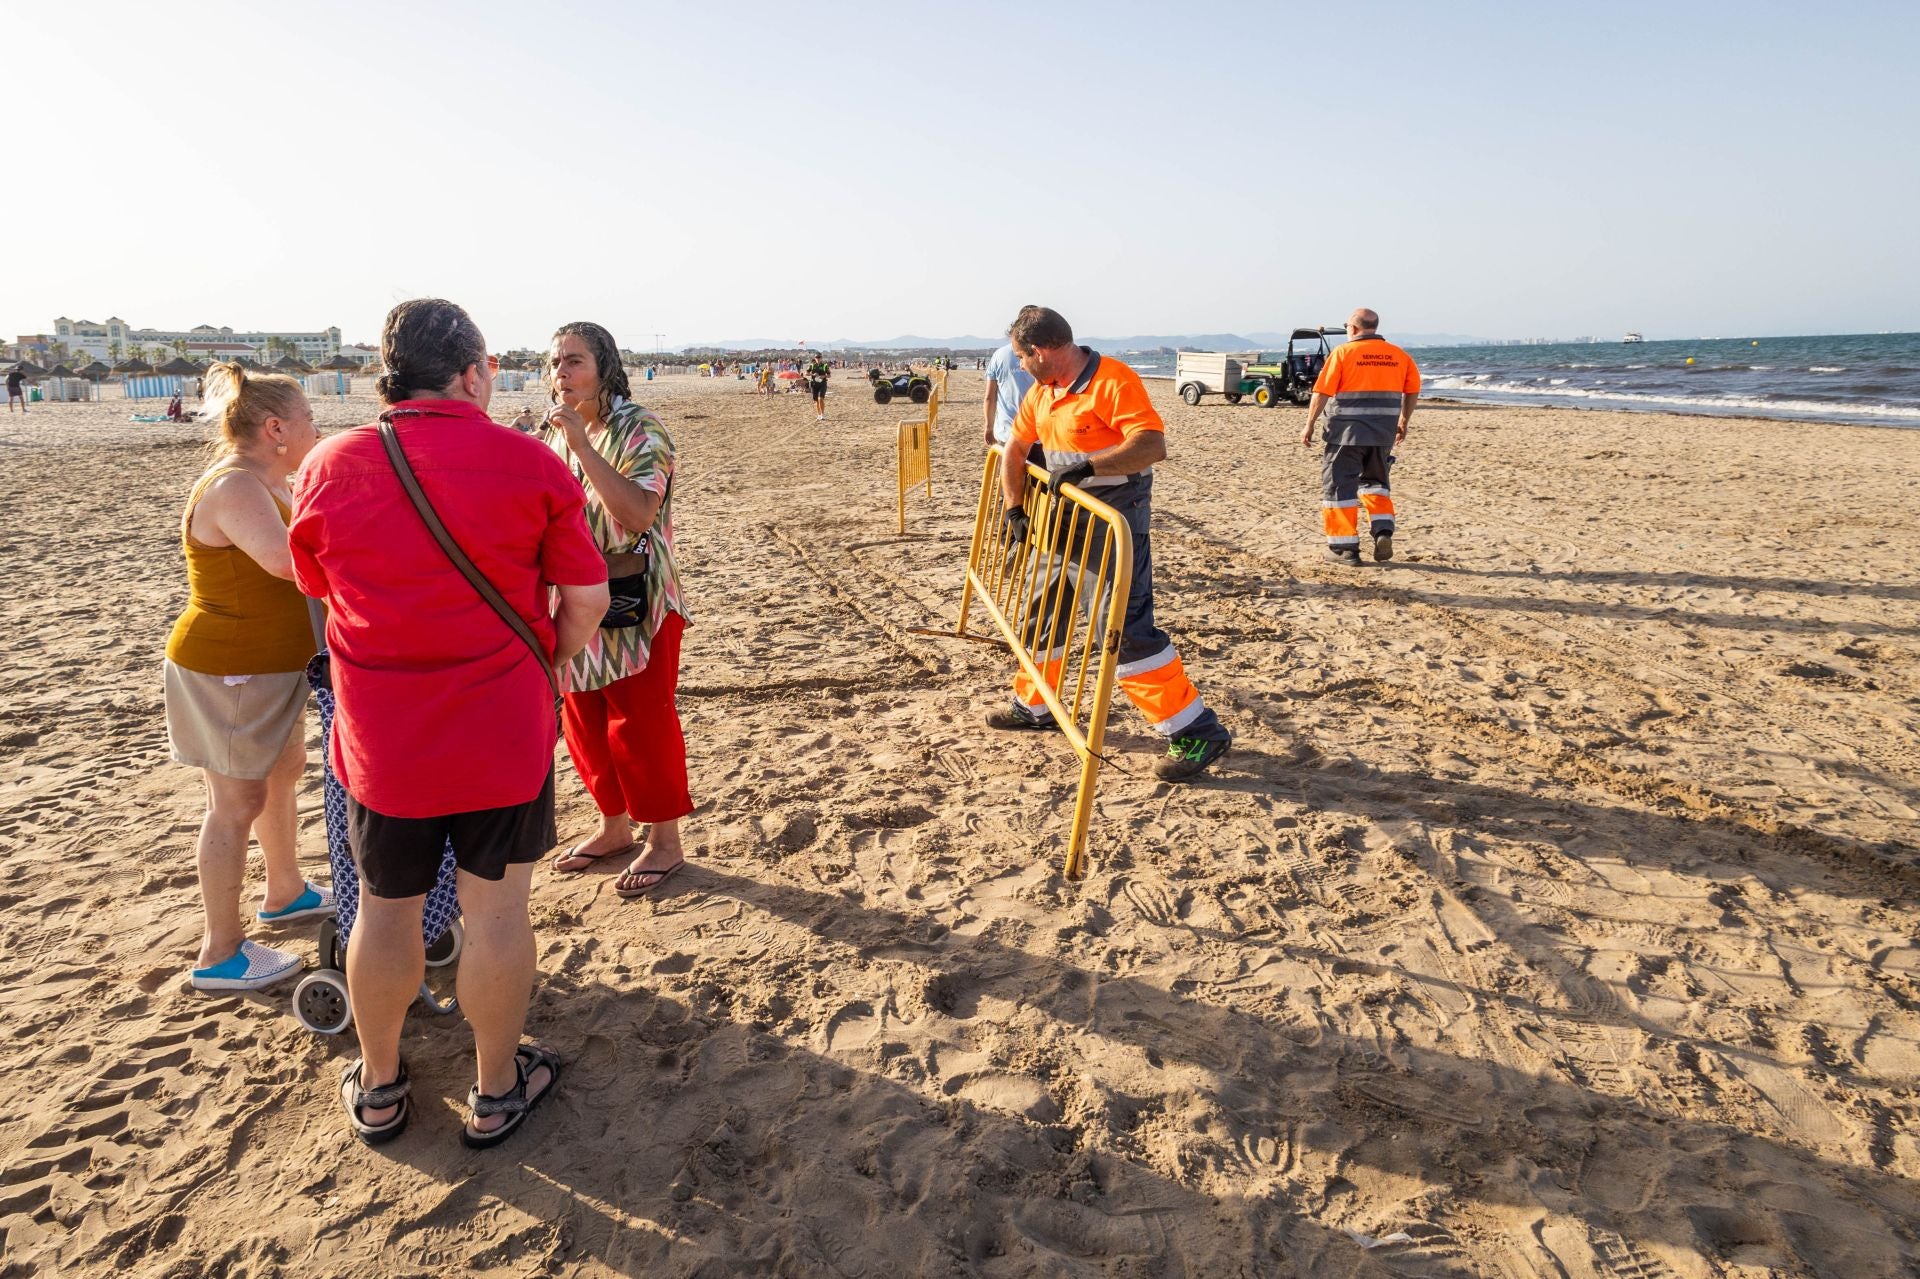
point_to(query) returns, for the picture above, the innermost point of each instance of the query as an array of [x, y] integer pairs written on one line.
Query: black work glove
[[1016, 525], [1069, 475]]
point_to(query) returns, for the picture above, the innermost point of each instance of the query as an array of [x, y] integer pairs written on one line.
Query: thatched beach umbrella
[[179, 366], [134, 366], [61, 370], [97, 370], [31, 369], [341, 364]]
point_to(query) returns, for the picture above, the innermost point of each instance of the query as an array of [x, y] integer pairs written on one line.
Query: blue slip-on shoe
[[314, 901], [252, 967]]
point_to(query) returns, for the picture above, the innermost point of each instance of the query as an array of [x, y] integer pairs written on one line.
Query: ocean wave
[[1826, 368], [1724, 404]]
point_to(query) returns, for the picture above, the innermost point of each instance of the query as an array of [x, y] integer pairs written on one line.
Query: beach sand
[[1553, 914]]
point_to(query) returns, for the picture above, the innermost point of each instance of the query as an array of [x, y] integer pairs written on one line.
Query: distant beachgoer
[[623, 729], [446, 723], [817, 374], [199, 388], [1373, 386], [16, 389], [235, 678], [526, 423], [174, 411], [1101, 434], [1007, 385]]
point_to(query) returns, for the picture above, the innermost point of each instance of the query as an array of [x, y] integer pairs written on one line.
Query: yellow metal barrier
[[915, 462], [1056, 598]]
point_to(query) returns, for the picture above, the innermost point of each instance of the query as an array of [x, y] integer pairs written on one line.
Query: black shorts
[[819, 389], [400, 856]]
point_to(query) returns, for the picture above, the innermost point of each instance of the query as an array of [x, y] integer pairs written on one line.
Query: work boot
[[1186, 756], [1383, 547], [1017, 717], [1349, 555]]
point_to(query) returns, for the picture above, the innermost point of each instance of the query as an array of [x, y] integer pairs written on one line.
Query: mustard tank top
[[240, 619]]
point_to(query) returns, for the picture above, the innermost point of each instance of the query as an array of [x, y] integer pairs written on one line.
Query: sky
[[828, 171]]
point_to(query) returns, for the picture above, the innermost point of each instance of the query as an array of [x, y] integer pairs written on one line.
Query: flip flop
[[659, 878], [575, 855], [514, 1103], [314, 900], [357, 1099]]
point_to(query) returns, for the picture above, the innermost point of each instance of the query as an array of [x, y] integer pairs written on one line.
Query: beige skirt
[[234, 725]]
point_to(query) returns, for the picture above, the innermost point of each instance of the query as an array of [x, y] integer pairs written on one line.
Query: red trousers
[[625, 738]]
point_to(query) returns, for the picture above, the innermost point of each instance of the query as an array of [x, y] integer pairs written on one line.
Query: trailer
[[1198, 373]]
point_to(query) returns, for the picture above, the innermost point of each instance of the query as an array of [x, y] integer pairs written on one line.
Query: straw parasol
[[290, 364], [98, 369], [342, 364], [179, 366], [61, 370], [133, 366], [29, 368]]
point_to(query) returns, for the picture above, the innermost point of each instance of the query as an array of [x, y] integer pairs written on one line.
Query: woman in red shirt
[[445, 727]]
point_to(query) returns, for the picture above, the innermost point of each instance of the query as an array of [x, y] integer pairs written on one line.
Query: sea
[[1868, 378]]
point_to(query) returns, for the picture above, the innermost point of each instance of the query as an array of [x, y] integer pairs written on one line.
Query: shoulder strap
[[411, 483]]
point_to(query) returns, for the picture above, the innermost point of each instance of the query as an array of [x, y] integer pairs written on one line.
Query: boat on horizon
[[1631, 338]]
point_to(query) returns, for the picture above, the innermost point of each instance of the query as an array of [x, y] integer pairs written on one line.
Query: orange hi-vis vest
[[1106, 405], [1368, 379]]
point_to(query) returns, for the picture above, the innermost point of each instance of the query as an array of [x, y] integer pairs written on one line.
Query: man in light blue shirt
[[1007, 385]]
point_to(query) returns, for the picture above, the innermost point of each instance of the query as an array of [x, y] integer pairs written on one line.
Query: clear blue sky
[[861, 170]]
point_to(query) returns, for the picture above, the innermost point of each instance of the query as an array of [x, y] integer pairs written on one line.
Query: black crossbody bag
[[478, 580]]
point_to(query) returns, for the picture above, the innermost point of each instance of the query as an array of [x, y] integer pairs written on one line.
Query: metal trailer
[[1198, 373]]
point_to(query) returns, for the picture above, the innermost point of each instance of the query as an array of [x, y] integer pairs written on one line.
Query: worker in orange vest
[[1372, 386]]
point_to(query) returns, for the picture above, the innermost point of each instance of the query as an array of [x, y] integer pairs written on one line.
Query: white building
[[115, 339]]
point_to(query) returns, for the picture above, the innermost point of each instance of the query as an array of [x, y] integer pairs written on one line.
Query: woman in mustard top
[[235, 671]]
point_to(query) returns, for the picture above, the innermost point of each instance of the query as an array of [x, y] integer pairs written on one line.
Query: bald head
[[1363, 320]]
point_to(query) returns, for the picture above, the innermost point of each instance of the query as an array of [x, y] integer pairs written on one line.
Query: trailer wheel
[[1265, 396], [1191, 393], [1231, 397]]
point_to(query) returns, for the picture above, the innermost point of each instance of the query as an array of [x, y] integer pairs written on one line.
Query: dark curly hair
[[606, 361], [427, 343]]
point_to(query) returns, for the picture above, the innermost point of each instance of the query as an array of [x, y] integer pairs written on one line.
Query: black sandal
[[514, 1103], [357, 1100]]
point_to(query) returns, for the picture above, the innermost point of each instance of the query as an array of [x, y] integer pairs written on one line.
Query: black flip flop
[[514, 1103], [575, 855], [357, 1099], [659, 878]]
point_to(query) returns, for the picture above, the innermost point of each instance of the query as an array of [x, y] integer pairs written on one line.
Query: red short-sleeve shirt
[[441, 707]]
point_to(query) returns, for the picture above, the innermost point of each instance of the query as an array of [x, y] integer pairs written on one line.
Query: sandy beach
[[1553, 914]]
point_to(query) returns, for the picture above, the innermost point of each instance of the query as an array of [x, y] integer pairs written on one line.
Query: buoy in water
[[1689, 359]]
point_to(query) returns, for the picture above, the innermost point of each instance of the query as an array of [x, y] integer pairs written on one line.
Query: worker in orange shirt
[[1100, 433], [1372, 385]]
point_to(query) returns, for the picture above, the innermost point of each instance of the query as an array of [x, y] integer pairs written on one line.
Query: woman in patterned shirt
[[622, 728]]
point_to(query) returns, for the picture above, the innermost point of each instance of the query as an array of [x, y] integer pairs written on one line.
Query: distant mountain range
[[1138, 342]]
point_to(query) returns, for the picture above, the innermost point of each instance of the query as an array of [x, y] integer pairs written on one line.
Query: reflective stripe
[[1343, 541], [1145, 664], [1057, 458], [1180, 719], [1369, 401], [1375, 490], [1352, 503]]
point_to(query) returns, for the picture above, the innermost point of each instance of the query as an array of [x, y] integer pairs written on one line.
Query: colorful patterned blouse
[[638, 446]]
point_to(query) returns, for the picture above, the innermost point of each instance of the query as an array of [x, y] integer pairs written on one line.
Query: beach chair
[[320, 1000]]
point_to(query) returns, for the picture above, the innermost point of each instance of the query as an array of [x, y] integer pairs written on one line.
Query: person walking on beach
[[446, 727], [236, 689], [16, 389], [1101, 434], [817, 374], [1007, 385], [1372, 386], [623, 730]]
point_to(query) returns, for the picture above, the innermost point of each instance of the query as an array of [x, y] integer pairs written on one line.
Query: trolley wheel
[[320, 1002], [446, 947], [1191, 393], [1231, 397]]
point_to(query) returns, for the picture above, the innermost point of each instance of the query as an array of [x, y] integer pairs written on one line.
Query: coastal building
[[115, 339]]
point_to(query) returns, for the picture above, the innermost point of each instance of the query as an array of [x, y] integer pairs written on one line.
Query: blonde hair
[[241, 402]]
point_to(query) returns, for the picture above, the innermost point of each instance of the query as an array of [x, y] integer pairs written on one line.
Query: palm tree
[[180, 347], [113, 351]]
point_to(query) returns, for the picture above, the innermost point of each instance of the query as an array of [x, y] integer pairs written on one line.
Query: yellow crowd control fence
[[1059, 599], [915, 454]]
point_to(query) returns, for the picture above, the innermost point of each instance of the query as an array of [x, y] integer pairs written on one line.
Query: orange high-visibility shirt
[[1367, 379], [1105, 406]]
